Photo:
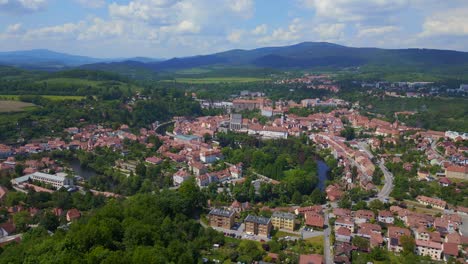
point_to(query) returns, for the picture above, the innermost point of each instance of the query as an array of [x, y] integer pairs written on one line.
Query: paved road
[[326, 240], [384, 193]]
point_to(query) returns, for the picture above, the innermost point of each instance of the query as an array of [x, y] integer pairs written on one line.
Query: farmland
[[14, 106], [50, 97], [219, 80]]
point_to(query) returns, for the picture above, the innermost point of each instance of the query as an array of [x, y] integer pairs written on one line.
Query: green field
[[50, 97], [219, 80], [15, 106]]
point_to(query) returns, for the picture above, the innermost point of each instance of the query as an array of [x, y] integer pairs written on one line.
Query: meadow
[[11, 97], [14, 106], [219, 80]]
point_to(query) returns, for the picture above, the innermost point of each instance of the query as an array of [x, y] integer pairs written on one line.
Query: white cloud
[[14, 29], [21, 6], [354, 10], [260, 30], [92, 3], [376, 31], [449, 22], [330, 32], [243, 7], [292, 33], [235, 36]]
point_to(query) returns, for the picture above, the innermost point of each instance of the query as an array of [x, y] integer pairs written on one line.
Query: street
[[327, 254]]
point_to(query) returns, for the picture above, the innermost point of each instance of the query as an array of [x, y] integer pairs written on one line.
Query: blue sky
[[175, 28]]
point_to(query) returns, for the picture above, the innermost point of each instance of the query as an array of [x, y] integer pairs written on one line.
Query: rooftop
[[257, 219]]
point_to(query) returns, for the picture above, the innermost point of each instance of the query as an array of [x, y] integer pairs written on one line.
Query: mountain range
[[304, 55], [43, 59]]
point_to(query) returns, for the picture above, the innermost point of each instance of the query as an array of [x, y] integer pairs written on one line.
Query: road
[[328, 255], [384, 193]]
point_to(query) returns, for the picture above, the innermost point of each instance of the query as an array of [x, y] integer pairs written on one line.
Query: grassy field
[[14, 106], [50, 97], [219, 80]]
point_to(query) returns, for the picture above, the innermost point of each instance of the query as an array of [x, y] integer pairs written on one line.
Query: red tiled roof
[[311, 259]]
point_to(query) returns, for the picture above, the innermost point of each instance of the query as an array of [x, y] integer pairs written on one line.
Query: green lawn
[[219, 80], [15, 106], [50, 97]]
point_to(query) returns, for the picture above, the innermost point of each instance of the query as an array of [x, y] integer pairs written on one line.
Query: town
[[376, 160]]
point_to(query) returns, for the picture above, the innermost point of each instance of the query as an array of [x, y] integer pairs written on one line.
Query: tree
[[408, 243], [376, 205], [21, 221], [296, 198], [348, 133], [140, 170], [249, 251], [49, 221], [362, 243]]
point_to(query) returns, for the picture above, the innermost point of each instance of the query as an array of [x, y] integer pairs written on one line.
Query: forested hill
[[314, 55]]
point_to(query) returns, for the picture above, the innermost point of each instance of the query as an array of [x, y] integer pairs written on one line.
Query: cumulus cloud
[[91, 3], [21, 6], [243, 7], [286, 35], [260, 30], [354, 10], [449, 22], [376, 31], [14, 29], [330, 32], [235, 36]]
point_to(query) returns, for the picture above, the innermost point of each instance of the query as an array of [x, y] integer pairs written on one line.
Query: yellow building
[[282, 220]]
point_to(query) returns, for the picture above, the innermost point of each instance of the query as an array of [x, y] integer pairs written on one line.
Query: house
[[343, 234], [281, 220], [314, 219], [73, 214], [429, 248], [7, 229], [3, 192], [257, 225], [385, 217], [344, 222], [363, 216], [180, 176], [311, 259], [235, 122], [210, 156], [221, 218], [197, 168], [434, 202], [394, 234], [314, 209], [238, 207], [449, 250], [445, 182], [457, 172], [342, 212], [154, 160]]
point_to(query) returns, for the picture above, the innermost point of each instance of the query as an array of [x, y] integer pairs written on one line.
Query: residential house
[[457, 172], [343, 234], [257, 225], [434, 202], [363, 216], [394, 234], [449, 251], [429, 248], [344, 222], [73, 214], [180, 176], [313, 219], [386, 217], [221, 218], [311, 259]]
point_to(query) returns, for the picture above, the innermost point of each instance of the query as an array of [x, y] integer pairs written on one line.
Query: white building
[[58, 180]]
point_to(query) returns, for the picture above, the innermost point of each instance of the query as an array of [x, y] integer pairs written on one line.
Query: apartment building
[[221, 218], [257, 225], [282, 220]]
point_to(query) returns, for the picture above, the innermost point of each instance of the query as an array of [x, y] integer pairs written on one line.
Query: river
[[86, 173], [322, 169]]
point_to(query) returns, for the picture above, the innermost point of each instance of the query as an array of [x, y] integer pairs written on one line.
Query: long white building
[[58, 180]]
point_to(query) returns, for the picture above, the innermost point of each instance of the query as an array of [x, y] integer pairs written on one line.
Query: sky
[[177, 28]]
